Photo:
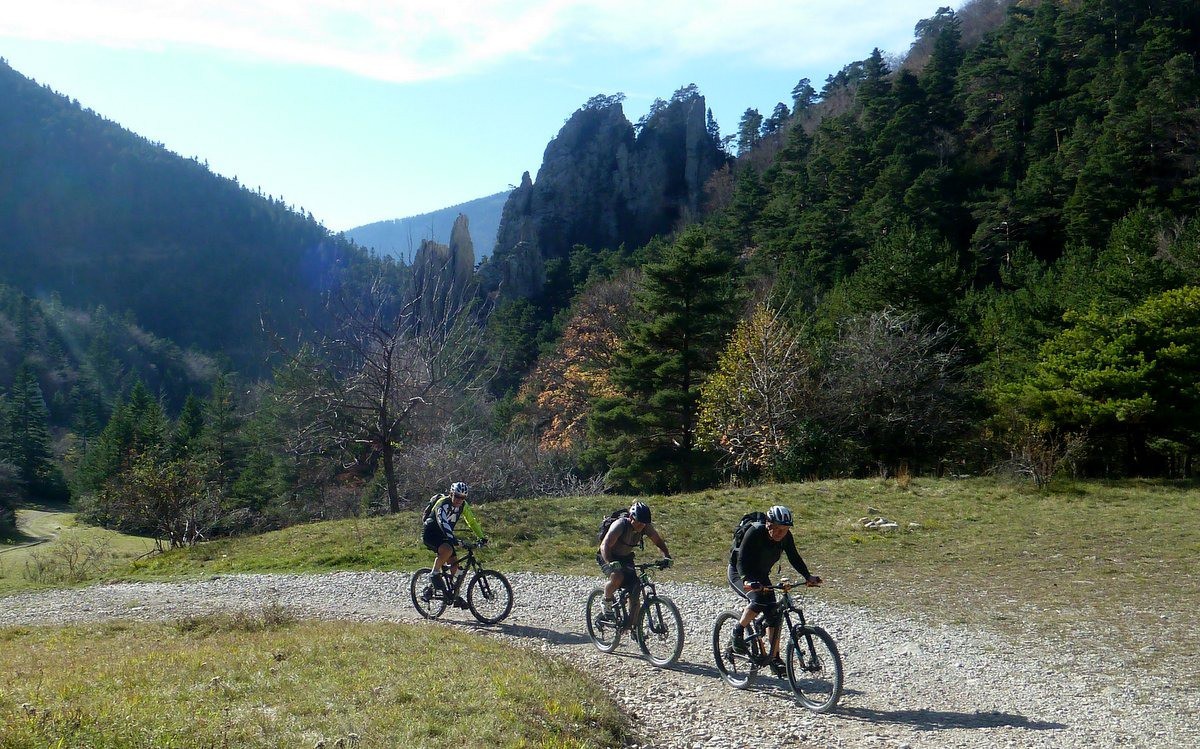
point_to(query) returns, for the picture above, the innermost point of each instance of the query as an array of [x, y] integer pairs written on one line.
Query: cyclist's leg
[[774, 620], [435, 541], [615, 580], [445, 555], [634, 585]]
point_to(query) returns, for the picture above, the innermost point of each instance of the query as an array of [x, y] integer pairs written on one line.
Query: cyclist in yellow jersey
[[438, 531]]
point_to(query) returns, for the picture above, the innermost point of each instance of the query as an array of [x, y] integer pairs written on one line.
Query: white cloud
[[410, 40]]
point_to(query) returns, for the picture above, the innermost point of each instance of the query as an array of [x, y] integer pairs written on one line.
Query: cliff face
[[602, 184], [443, 274]]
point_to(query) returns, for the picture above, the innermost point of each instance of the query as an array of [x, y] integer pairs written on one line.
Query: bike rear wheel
[[814, 669], [428, 601], [660, 631], [605, 634], [737, 670], [489, 596]]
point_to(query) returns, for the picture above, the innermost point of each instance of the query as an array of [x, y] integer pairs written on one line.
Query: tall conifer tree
[[687, 305]]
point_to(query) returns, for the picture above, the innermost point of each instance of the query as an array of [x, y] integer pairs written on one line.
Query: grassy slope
[[48, 536], [981, 552]]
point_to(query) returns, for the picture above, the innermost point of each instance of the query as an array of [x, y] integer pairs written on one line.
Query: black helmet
[[640, 512]]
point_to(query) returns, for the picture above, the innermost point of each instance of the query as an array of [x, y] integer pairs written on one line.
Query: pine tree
[[31, 446], [687, 305], [189, 428], [749, 130]]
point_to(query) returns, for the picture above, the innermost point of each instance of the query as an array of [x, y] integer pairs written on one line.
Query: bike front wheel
[[428, 601], [660, 631], [604, 632], [814, 669], [737, 669], [489, 596]]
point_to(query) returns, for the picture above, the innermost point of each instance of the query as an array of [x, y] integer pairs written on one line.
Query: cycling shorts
[[631, 580], [760, 600], [433, 537]]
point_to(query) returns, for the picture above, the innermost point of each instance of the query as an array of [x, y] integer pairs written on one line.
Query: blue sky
[[364, 110]]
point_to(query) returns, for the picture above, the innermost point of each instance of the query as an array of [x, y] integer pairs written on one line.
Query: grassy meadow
[[263, 680], [976, 551], [50, 549]]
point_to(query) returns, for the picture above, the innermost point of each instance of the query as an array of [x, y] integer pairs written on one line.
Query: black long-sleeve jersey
[[759, 554]]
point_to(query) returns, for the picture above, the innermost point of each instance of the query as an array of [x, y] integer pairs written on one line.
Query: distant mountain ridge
[[402, 237]]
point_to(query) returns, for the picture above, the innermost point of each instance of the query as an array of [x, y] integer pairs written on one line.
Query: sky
[[365, 110]]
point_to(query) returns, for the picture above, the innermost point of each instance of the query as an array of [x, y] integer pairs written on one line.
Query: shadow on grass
[[936, 720]]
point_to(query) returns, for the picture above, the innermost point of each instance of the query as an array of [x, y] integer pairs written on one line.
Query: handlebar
[[785, 585]]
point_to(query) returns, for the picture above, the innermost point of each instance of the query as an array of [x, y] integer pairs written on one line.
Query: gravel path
[[908, 683]]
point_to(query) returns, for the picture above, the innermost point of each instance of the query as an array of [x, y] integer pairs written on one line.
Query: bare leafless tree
[[895, 387], [394, 367]]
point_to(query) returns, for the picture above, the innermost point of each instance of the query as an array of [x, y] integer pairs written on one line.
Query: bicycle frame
[[466, 564], [647, 590], [786, 607]]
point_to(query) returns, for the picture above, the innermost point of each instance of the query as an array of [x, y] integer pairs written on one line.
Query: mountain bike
[[489, 594], [659, 630], [814, 665]]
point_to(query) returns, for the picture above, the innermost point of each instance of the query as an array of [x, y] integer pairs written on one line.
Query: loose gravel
[[909, 683]]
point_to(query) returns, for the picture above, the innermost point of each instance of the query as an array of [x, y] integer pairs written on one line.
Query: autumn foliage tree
[[567, 381], [760, 390]]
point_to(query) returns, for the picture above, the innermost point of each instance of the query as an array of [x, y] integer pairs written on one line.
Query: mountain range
[[402, 237]]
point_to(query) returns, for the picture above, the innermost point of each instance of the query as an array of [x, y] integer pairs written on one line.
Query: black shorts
[[433, 537], [631, 580], [760, 600]]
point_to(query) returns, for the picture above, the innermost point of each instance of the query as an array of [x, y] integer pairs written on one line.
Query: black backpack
[[739, 533], [432, 503], [609, 519]]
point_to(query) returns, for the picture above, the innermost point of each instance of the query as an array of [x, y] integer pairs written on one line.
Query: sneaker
[[460, 602], [427, 594], [739, 644], [779, 668]]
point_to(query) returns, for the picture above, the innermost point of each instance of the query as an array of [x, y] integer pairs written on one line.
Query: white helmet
[[460, 487], [779, 515]]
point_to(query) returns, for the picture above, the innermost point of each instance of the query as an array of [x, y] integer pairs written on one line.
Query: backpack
[[433, 502], [739, 533], [609, 519]]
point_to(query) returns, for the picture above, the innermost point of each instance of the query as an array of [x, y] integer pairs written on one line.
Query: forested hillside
[[101, 216], [985, 260]]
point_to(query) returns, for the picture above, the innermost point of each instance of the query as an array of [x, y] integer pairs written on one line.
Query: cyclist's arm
[[469, 516], [789, 548], [748, 552], [652, 532], [609, 542]]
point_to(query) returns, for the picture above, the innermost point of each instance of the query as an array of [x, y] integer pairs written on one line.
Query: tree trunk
[[389, 476]]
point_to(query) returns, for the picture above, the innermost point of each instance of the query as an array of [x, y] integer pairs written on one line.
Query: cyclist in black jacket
[[761, 548]]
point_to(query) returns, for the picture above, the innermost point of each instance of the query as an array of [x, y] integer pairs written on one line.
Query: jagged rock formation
[[603, 183], [443, 274]]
